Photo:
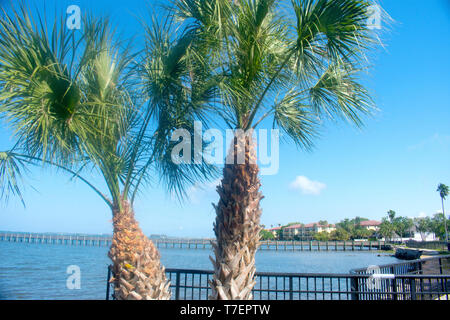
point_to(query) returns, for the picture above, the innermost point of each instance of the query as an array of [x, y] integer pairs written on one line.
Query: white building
[[306, 231]]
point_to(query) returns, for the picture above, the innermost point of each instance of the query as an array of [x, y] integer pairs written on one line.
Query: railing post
[[354, 288], [394, 285], [177, 285], [413, 289], [291, 288], [107, 282]]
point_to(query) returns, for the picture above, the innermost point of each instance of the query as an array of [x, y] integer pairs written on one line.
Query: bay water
[[41, 271]]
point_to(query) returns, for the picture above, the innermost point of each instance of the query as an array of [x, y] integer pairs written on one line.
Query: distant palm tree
[[73, 101], [443, 192], [294, 67], [423, 226], [391, 215]]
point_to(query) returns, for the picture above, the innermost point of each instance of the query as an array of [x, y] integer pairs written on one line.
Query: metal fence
[[194, 285], [401, 281], [402, 287]]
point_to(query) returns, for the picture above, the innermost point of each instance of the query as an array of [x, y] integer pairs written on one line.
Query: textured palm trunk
[[138, 273], [445, 220], [237, 226]]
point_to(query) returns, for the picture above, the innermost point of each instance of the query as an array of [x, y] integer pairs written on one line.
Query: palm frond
[[443, 190], [176, 176], [296, 119], [331, 30], [180, 91], [68, 97], [338, 94], [11, 176], [38, 93]]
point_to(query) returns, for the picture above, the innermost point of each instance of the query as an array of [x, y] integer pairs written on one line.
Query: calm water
[[39, 271]]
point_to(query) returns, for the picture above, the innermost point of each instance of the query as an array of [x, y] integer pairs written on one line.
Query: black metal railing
[[399, 281], [401, 287], [194, 285]]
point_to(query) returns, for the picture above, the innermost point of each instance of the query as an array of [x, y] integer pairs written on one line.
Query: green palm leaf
[[11, 174], [37, 92]]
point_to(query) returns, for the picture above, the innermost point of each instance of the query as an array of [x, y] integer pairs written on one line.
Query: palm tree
[[386, 229], [296, 69], [74, 102], [423, 226], [443, 192], [388, 224], [391, 215]]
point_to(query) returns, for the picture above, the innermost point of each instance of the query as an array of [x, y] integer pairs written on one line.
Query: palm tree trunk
[[237, 226], [445, 220], [137, 271]]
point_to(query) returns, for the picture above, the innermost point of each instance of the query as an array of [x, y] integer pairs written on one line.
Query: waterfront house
[[274, 231], [370, 225]]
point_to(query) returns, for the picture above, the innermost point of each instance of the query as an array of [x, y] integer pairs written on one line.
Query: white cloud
[[422, 215], [307, 186]]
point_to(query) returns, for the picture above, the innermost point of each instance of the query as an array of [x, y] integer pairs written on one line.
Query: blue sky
[[395, 162]]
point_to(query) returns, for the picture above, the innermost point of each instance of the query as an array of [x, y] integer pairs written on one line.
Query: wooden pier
[[98, 240], [67, 239]]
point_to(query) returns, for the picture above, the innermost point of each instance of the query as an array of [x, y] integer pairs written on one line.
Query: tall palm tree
[[294, 63], [391, 215], [443, 192], [75, 102]]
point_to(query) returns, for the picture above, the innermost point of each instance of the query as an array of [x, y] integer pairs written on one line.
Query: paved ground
[[432, 266]]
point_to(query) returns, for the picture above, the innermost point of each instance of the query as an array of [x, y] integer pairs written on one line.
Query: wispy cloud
[[436, 140], [307, 186], [198, 191]]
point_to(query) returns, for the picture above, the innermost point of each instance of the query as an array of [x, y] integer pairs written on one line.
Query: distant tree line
[[399, 227], [391, 227]]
